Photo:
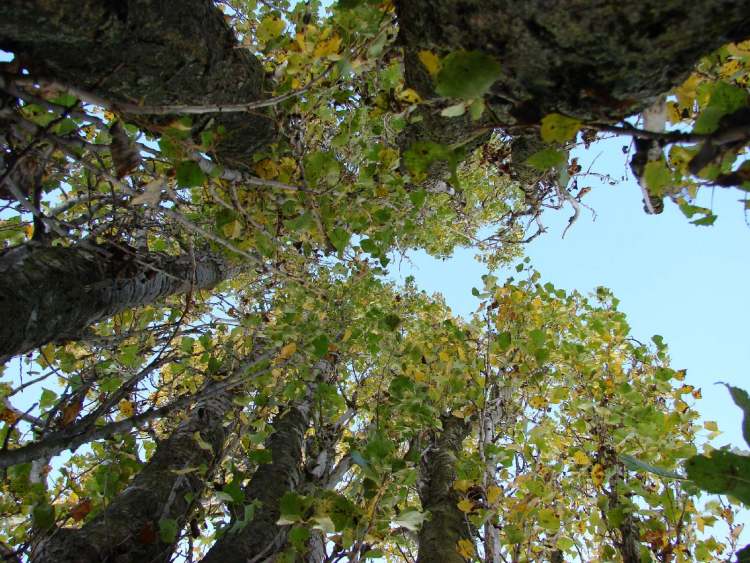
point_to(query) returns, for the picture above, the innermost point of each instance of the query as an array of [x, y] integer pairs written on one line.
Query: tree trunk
[[128, 529], [54, 293], [440, 534], [591, 60], [262, 537], [148, 52]]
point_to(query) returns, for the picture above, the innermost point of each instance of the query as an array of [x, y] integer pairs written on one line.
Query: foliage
[[578, 432]]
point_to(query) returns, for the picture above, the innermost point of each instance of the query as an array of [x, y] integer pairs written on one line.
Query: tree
[[202, 203]]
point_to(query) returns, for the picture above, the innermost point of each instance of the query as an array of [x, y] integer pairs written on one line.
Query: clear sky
[[684, 282]]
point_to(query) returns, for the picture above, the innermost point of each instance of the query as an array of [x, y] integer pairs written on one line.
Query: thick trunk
[[440, 534], [128, 529], [148, 52], [55, 293], [262, 537], [593, 60]]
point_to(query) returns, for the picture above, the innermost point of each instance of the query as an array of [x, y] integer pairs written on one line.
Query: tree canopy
[[203, 356]]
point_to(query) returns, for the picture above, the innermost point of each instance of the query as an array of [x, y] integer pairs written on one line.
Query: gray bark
[[593, 60], [439, 536], [55, 293], [597, 61], [262, 537], [149, 52], [128, 529]]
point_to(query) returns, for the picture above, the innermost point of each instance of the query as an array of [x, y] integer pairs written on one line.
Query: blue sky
[[683, 282]]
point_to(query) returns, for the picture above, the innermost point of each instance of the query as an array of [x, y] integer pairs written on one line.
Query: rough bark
[[262, 537], [128, 529], [597, 61], [439, 536], [594, 60], [149, 52], [55, 293]]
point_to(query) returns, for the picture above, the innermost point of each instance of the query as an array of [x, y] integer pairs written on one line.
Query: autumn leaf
[[465, 549], [557, 128], [430, 61], [80, 510], [126, 408], [125, 153]]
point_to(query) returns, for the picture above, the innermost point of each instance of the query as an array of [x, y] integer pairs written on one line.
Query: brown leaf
[[71, 411], [124, 152], [80, 510], [147, 535]]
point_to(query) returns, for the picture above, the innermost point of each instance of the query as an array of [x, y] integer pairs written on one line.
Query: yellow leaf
[[430, 61], [493, 494], [126, 408], [267, 169], [300, 40], [347, 335], [538, 402], [597, 474], [444, 357], [287, 351], [327, 47], [465, 505], [419, 376], [465, 549], [581, 458], [202, 444], [711, 425], [269, 28], [28, 230], [9, 416], [232, 229], [462, 485], [557, 128], [409, 96]]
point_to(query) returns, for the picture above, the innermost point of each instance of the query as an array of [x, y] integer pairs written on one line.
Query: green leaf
[[410, 519], [339, 238], [260, 456], [392, 321], [558, 128], [189, 174], [43, 515], [466, 75], [168, 530], [724, 473], [503, 341], [418, 198], [549, 520], [635, 464], [298, 535], [321, 167], [657, 176], [320, 345], [186, 344], [742, 400], [547, 158], [300, 223], [420, 156], [292, 506], [264, 244], [456, 110]]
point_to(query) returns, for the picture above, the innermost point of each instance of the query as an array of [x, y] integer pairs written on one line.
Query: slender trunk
[[55, 293], [149, 52], [440, 534], [262, 537], [128, 529]]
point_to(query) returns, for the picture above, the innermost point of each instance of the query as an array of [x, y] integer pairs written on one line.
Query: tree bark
[[53, 293], [262, 537], [128, 529], [439, 536], [148, 52], [592, 60]]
